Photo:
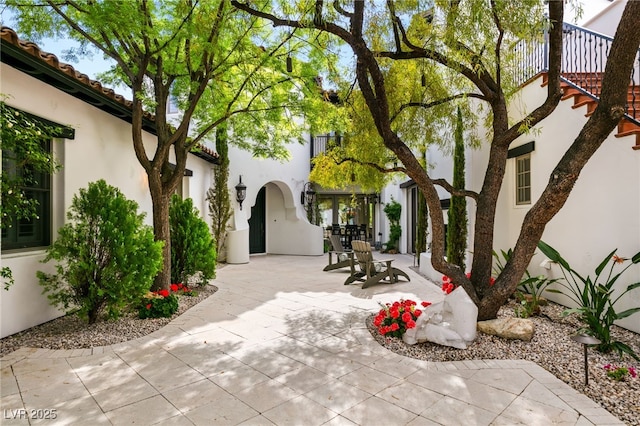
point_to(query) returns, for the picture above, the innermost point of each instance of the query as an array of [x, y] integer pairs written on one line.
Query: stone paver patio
[[283, 343]]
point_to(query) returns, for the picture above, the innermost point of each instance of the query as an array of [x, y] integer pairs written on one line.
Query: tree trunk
[[371, 82], [161, 230]]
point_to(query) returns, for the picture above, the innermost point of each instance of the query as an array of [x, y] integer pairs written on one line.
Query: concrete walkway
[[282, 343]]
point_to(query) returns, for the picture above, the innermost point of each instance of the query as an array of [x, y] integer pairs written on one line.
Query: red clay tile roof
[[10, 37]]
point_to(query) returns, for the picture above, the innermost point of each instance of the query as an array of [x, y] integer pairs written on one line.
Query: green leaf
[[553, 254], [604, 262], [632, 286], [627, 313]]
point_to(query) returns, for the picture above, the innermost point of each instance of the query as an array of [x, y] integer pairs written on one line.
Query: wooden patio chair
[[343, 257], [372, 271]]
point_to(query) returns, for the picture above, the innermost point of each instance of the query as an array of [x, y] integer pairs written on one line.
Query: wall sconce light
[[586, 340], [307, 196], [241, 192]]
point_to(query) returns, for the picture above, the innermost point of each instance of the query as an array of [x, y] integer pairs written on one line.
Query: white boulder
[[451, 322]]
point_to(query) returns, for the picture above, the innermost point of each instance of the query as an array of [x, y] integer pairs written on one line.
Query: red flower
[[448, 287], [174, 287], [378, 320], [492, 281], [148, 305], [397, 317], [163, 293]]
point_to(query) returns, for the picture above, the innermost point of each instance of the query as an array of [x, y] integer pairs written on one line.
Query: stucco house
[[603, 211], [96, 144]]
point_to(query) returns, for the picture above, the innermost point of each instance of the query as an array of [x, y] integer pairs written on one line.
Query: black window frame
[[35, 232]]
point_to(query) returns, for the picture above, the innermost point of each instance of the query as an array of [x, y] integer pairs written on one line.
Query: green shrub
[[193, 249], [594, 297], [457, 212], [393, 210], [161, 305], [533, 286], [107, 258]]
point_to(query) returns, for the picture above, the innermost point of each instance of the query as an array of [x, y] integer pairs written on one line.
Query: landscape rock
[[451, 322], [508, 328]]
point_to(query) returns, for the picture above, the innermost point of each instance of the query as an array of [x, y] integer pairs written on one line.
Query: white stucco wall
[[603, 210], [102, 149], [287, 229], [606, 20]]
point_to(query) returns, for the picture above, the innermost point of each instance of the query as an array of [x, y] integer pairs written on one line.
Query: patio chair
[[343, 257], [372, 271]]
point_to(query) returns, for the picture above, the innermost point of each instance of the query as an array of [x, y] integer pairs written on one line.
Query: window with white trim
[[523, 179]]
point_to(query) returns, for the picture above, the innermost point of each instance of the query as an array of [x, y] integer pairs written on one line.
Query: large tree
[[474, 41], [218, 64]]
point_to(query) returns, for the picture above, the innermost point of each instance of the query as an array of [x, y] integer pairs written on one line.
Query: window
[[172, 105], [523, 179], [34, 231]]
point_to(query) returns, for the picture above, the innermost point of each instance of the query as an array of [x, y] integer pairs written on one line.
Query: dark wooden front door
[[257, 224]]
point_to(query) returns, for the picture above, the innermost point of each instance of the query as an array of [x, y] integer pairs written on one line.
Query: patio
[[283, 343]]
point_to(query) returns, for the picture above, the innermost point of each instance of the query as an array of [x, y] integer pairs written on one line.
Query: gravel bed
[[71, 332], [552, 349]]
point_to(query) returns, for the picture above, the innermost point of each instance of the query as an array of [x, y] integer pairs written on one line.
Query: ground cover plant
[[529, 290]]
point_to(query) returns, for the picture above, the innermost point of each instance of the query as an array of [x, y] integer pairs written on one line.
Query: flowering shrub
[[595, 298], [158, 304], [182, 289], [163, 303], [397, 317], [448, 286], [619, 373]]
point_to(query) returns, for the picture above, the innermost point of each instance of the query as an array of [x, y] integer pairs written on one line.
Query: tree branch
[[427, 105], [554, 93], [486, 88], [369, 164], [451, 190], [498, 46], [395, 23]]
